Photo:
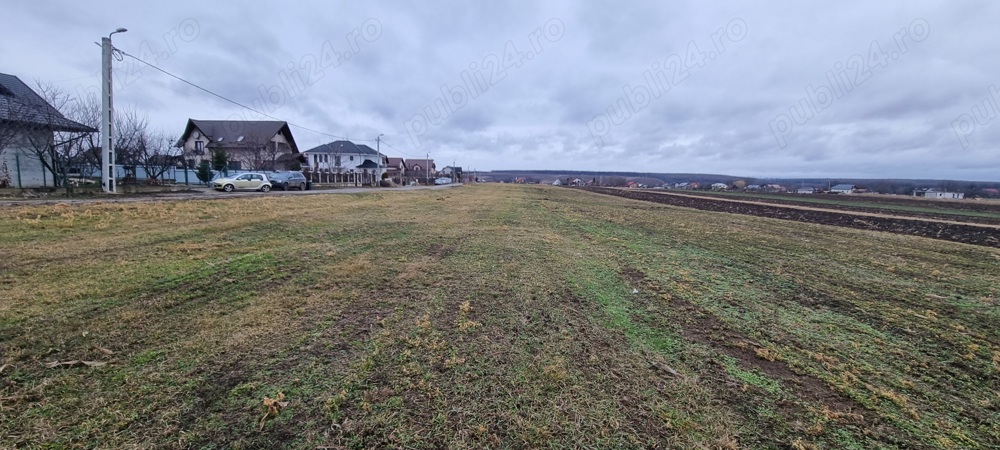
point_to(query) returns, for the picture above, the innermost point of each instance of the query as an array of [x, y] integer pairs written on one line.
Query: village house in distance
[[249, 145]]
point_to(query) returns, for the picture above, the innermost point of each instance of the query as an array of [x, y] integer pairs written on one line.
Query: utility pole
[[428, 164], [454, 171], [107, 116], [378, 149]]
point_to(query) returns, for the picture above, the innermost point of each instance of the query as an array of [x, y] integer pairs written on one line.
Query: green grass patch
[[486, 317]]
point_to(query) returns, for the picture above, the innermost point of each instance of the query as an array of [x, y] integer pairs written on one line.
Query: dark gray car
[[288, 180]]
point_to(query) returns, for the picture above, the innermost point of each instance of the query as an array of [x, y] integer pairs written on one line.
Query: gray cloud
[[423, 76]]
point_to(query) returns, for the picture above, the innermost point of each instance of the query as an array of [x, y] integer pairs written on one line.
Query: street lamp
[[107, 116], [378, 149]]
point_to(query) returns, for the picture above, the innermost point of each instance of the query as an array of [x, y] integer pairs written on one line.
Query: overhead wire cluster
[[220, 96]]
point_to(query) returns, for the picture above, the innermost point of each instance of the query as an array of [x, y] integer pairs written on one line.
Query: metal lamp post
[[107, 116], [378, 149]]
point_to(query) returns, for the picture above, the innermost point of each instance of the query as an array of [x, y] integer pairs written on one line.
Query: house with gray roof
[[249, 144], [36, 140], [842, 189], [345, 158], [340, 156]]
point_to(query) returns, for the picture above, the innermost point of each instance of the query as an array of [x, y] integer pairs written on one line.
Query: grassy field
[[486, 317]]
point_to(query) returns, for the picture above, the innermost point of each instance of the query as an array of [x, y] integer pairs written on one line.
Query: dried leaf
[[274, 406], [104, 350], [95, 363], [3, 367]]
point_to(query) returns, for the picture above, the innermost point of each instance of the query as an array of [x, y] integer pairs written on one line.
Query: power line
[[398, 150], [235, 102]]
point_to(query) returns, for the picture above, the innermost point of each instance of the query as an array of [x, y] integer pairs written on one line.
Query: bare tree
[[130, 128], [257, 151], [254, 152], [47, 135], [86, 110], [156, 154]]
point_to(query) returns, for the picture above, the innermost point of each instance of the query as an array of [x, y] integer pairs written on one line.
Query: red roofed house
[[420, 169]]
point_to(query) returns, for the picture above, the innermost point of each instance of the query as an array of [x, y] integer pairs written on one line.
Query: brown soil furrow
[[976, 234]]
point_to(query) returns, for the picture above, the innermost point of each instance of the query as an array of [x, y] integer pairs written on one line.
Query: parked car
[[288, 180], [442, 180], [244, 181]]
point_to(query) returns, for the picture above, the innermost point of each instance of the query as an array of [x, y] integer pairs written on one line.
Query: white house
[[344, 157], [30, 154], [931, 193], [842, 189]]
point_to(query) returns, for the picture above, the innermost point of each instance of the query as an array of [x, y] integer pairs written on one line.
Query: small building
[[395, 167], [449, 171], [647, 181], [558, 182], [842, 189], [719, 186], [420, 168], [934, 193], [805, 190]]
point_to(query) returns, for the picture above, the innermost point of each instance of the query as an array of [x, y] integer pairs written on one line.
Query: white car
[[442, 180], [243, 181]]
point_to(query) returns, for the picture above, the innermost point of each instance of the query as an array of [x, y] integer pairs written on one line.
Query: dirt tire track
[[704, 328]]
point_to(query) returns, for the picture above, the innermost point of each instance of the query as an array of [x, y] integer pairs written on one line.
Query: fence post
[[17, 162]]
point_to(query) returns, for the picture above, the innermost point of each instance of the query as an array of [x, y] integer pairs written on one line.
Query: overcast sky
[[790, 88]]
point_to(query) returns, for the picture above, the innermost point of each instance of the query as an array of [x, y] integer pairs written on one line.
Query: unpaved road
[[203, 194]]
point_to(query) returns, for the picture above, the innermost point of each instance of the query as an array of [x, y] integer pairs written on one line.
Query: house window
[[352, 158], [336, 160], [199, 146]]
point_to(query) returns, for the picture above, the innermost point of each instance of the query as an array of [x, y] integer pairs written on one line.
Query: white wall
[[32, 172], [327, 161], [955, 195]]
